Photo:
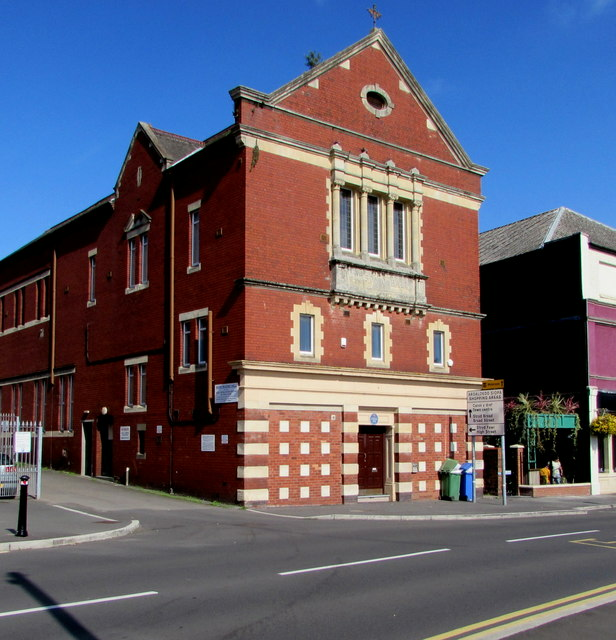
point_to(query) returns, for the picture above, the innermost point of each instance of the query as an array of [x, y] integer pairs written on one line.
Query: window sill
[[137, 287], [27, 325], [55, 432], [306, 358], [193, 268], [192, 369], [136, 409], [435, 368], [374, 262], [91, 303], [60, 433], [378, 364]]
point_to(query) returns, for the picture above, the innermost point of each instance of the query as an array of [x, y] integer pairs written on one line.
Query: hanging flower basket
[[604, 425]]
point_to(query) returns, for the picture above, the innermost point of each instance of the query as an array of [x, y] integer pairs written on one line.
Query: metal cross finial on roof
[[375, 15]]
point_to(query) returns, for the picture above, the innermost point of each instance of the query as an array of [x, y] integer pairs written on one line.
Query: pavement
[[74, 509]]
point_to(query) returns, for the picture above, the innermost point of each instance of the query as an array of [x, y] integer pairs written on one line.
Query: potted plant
[[604, 425]]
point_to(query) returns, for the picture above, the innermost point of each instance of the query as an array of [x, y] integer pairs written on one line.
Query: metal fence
[[22, 444]]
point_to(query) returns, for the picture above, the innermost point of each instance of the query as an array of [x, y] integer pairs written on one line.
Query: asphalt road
[[207, 572]]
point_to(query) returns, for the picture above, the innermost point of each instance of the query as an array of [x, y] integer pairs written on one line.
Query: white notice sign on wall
[[208, 442]]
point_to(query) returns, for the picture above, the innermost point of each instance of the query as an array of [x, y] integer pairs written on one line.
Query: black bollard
[[22, 519]]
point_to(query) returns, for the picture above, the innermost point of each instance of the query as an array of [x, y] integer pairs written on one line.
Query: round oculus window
[[376, 100]]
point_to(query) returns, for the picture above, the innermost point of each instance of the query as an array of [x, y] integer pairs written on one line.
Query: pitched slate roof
[[171, 146], [532, 233]]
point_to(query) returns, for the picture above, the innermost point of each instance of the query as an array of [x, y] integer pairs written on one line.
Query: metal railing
[[21, 442]]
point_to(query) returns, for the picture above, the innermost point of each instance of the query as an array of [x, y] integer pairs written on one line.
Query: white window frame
[[132, 263], [194, 354], [438, 356], [65, 403], [130, 386], [142, 386], [377, 334], [144, 259], [346, 219], [202, 341], [40, 401], [186, 342], [135, 372], [194, 237], [399, 231], [439, 339], [92, 278], [306, 333], [137, 262], [306, 308], [374, 225], [380, 322], [195, 259]]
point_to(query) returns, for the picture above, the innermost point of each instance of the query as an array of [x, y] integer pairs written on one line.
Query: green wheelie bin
[[450, 474]]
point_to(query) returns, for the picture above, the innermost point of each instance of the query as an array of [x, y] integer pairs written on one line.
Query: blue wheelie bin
[[467, 490]]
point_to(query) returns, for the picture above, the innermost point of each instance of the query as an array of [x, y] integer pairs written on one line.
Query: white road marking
[[353, 564], [554, 535], [80, 603], [85, 513]]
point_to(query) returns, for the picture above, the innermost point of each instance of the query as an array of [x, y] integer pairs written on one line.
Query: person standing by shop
[[557, 471]]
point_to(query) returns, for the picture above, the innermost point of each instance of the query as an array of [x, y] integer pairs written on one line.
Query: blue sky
[[528, 88]]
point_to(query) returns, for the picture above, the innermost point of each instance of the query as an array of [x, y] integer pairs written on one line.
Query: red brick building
[[285, 313]]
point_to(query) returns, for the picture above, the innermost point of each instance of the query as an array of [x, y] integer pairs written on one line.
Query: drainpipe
[[210, 380], [52, 330], [171, 333]]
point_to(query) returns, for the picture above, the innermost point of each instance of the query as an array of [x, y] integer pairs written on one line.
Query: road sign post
[[486, 417]]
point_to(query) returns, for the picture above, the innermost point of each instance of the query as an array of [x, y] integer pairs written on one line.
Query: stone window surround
[[363, 177], [375, 88], [439, 325], [135, 364], [360, 227], [136, 232], [307, 308], [377, 318], [192, 267], [193, 318]]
